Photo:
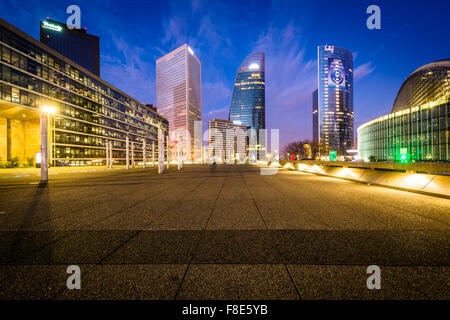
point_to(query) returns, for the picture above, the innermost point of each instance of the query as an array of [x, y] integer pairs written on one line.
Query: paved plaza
[[218, 232]]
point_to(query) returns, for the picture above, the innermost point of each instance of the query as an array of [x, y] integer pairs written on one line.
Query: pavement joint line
[[310, 212], [62, 237], [273, 241], [62, 202], [198, 240], [130, 238], [437, 234], [246, 263], [373, 201], [66, 214], [127, 208], [425, 193], [402, 209]]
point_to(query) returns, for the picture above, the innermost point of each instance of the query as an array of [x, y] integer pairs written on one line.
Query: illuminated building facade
[[227, 141], [248, 102], [75, 44], [417, 129], [179, 99], [335, 100], [89, 111]]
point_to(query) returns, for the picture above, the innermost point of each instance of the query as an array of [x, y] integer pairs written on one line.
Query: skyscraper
[[75, 44], [335, 98], [248, 102], [179, 98]]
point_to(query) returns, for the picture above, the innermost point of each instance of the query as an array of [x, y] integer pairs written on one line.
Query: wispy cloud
[[363, 70], [290, 80], [216, 94], [130, 71]]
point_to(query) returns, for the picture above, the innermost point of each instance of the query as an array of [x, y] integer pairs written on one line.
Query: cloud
[[218, 93], [129, 71], [221, 113], [175, 31], [363, 70], [290, 77], [290, 80]]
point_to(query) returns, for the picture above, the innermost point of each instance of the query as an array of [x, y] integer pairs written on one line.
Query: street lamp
[[46, 112]]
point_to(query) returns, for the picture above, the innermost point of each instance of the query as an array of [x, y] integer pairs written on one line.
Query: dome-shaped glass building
[[417, 129]]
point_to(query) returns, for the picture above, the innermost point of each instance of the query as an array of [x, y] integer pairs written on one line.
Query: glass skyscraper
[[335, 99], [248, 102], [179, 98]]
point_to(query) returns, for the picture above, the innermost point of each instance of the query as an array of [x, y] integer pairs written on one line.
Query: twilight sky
[[133, 34]]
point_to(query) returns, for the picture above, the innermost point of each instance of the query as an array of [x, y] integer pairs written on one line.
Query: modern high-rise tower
[[179, 99], [248, 102], [335, 98], [75, 44]]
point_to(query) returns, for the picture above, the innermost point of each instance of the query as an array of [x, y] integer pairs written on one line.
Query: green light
[[404, 154], [52, 26], [333, 155]]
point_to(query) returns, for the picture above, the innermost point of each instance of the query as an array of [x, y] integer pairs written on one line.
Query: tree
[[297, 148]]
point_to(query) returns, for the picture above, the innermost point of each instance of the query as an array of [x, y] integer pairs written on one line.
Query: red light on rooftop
[[85, 28], [48, 18]]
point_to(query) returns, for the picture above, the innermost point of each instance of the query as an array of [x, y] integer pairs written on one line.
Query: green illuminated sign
[[333, 155], [51, 26]]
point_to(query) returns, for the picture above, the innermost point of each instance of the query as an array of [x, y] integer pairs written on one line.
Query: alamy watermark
[[374, 20]]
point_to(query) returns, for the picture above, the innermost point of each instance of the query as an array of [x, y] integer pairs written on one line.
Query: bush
[[13, 163], [30, 161], [372, 159]]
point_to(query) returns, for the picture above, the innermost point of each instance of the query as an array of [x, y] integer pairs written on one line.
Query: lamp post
[[46, 111], [111, 161], [168, 150], [160, 149], [144, 153], [127, 155]]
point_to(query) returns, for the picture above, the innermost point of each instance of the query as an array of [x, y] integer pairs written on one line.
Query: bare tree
[[297, 148]]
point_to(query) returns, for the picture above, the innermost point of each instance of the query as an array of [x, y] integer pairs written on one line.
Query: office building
[[417, 129], [75, 44], [227, 141], [248, 102], [335, 100], [179, 99], [89, 112]]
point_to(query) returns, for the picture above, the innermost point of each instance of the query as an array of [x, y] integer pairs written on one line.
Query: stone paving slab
[[224, 232]]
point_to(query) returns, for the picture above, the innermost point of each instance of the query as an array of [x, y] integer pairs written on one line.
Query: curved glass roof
[[426, 84]]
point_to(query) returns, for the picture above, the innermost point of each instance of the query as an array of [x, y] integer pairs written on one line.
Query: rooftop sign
[[52, 26]]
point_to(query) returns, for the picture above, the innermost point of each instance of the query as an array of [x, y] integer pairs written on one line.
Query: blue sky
[[133, 34]]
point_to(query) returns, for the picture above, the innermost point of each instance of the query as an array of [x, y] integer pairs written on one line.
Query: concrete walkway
[[219, 233]]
